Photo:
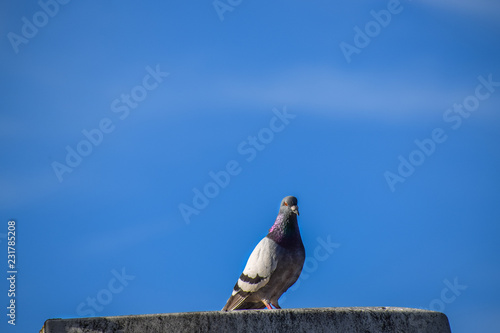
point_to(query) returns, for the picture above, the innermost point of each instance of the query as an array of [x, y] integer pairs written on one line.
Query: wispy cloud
[[484, 9], [389, 94]]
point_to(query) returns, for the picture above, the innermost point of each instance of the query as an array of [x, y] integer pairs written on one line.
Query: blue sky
[[169, 93]]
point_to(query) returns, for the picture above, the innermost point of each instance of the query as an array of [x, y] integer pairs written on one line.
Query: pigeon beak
[[295, 209]]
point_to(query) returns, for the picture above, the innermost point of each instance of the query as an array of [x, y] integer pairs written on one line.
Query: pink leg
[[267, 304]]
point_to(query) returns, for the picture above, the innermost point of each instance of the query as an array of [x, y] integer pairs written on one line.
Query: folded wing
[[258, 270]]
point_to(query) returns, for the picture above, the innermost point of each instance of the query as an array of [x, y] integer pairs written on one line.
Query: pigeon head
[[289, 205], [285, 230]]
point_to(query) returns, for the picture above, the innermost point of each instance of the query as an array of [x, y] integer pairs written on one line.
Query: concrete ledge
[[344, 320]]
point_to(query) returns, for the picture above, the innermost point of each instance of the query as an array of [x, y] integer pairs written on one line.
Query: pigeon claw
[[267, 305]]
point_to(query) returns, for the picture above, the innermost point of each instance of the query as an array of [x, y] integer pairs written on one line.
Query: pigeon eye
[[286, 204]]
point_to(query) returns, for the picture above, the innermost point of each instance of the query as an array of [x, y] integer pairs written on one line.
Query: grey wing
[[258, 270]]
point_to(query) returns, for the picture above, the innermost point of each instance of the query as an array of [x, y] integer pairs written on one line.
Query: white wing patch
[[260, 266]]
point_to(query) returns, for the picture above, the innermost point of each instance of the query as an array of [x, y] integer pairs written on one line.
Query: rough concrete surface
[[344, 320]]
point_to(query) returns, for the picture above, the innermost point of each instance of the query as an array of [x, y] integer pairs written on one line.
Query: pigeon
[[274, 265]]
